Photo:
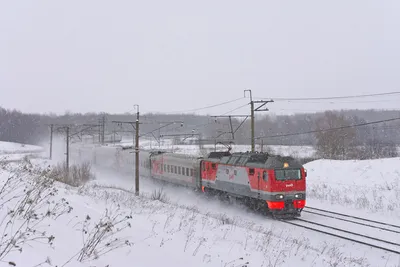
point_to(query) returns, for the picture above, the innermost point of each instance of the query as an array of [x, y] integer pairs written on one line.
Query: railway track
[[354, 219], [376, 234]]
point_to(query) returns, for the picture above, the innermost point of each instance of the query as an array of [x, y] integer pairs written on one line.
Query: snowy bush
[[26, 205], [159, 195], [75, 175], [100, 238]]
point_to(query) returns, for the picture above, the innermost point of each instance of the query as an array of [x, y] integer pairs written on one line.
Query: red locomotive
[[271, 182]]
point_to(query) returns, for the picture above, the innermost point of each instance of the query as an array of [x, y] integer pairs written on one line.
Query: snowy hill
[[182, 227], [62, 230], [13, 152], [17, 148], [369, 185]]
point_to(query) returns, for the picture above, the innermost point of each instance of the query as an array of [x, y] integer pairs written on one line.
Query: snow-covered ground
[[153, 232], [186, 228], [16, 148], [12, 152], [370, 186]]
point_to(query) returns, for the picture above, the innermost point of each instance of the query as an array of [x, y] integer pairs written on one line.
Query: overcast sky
[[175, 55]]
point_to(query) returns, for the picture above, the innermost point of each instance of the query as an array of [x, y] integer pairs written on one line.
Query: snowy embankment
[[13, 152], [54, 224], [368, 186], [16, 148]]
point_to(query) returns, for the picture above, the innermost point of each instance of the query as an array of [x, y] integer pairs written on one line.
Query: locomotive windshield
[[288, 174]]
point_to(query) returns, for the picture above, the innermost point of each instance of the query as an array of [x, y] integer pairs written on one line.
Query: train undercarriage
[[288, 211]]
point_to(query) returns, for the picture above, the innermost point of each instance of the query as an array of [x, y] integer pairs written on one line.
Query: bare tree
[[375, 148], [334, 144]]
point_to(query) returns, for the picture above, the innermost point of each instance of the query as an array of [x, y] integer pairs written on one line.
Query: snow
[[185, 228], [17, 148], [13, 152], [18, 157], [171, 234], [372, 186]]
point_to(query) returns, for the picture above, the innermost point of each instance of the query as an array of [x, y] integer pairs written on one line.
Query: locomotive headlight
[[279, 196], [298, 195]]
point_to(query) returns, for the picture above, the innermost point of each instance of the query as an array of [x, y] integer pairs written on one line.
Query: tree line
[[355, 142]]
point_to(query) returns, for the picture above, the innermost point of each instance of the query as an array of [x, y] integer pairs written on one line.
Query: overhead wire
[[329, 97], [207, 107], [196, 126], [330, 129], [298, 99], [230, 111]]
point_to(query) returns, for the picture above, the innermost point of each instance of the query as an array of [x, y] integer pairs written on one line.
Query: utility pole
[[263, 103], [57, 128], [99, 131], [137, 154], [102, 124], [103, 129], [252, 119], [67, 149], [262, 145], [232, 132], [51, 140], [66, 129], [135, 147], [167, 123]]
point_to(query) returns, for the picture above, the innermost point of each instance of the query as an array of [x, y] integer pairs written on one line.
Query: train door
[[212, 170], [203, 170], [258, 177], [197, 174]]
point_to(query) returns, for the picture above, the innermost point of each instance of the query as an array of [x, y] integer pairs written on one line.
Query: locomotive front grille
[[289, 204]]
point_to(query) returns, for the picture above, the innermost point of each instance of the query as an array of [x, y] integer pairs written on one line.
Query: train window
[[204, 166], [187, 171], [242, 160], [232, 160], [265, 176], [251, 171], [213, 166], [175, 169], [165, 167], [179, 169], [284, 175], [191, 172]]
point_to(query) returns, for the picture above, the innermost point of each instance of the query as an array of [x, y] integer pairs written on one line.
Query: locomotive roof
[[175, 155], [255, 159]]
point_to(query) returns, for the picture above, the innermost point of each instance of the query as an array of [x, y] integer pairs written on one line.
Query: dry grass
[[76, 175]]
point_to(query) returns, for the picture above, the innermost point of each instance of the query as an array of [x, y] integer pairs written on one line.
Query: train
[[271, 183]]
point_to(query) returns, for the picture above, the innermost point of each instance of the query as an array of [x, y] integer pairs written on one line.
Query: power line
[[330, 129], [207, 107], [344, 102], [330, 97], [236, 109]]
